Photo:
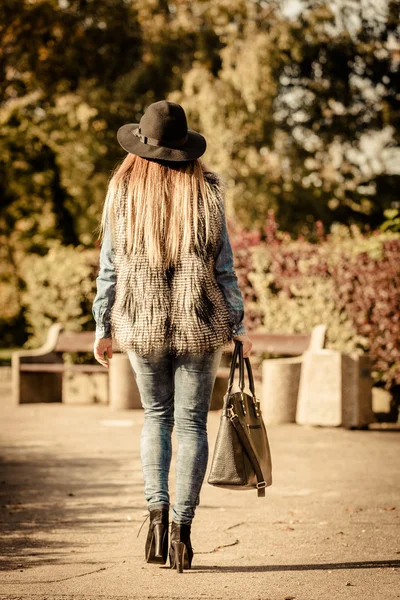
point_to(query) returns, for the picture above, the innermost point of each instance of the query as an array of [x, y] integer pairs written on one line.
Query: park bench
[[29, 366], [37, 375]]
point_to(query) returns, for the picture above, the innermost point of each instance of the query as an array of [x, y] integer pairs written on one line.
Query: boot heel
[[179, 552], [159, 534], [156, 548]]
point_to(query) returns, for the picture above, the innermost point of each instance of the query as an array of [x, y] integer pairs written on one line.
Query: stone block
[[335, 389], [123, 390], [280, 386]]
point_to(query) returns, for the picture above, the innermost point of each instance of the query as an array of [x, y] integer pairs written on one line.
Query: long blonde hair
[[162, 201]]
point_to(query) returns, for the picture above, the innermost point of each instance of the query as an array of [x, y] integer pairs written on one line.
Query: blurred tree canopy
[[300, 110], [303, 115]]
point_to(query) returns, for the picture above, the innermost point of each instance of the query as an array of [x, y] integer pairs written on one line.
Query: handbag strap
[[250, 375], [238, 351], [242, 361], [233, 366], [261, 485]]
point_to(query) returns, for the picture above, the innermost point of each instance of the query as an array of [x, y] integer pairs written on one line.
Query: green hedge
[[347, 280], [60, 286]]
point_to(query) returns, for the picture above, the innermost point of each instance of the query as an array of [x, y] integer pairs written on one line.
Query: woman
[[168, 295]]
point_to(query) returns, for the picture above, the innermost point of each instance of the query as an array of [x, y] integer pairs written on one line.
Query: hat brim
[[194, 147]]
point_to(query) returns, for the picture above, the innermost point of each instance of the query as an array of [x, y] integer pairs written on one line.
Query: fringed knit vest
[[181, 309]]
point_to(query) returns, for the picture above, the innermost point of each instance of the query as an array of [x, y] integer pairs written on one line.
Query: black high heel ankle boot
[[156, 550], [180, 550]]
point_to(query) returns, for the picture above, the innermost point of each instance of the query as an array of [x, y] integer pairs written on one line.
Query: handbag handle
[[233, 367], [238, 352], [242, 362]]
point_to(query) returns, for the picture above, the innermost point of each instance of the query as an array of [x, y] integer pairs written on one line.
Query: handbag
[[242, 457]]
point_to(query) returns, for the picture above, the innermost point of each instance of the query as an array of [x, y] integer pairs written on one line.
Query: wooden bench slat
[[271, 343], [274, 343], [61, 368], [80, 341], [284, 344], [77, 341]]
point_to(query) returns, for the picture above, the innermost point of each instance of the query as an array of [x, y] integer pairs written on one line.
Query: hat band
[[154, 142]]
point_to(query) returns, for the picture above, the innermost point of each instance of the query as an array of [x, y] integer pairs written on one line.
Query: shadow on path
[[367, 564], [51, 505]]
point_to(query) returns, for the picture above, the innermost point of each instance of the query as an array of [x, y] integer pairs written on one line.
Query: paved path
[[71, 498]]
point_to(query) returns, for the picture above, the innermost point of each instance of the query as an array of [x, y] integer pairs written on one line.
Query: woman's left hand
[[102, 345]]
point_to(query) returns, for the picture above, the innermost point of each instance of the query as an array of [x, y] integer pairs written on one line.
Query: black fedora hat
[[162, 134]]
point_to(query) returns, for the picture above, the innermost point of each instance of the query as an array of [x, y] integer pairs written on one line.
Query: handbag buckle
[[261, 484], [257, 410], [231, 412]]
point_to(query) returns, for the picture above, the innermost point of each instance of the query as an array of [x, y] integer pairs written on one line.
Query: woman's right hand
[[102, 345], [247, 344]]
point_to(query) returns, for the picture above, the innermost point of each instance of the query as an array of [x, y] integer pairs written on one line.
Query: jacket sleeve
[[105, 284], [227, 280]]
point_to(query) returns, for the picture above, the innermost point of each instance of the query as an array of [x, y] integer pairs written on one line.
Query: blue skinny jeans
[[175, 391]]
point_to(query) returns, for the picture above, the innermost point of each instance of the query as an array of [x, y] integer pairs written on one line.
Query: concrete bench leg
[[335, 389], [123, 390], [357, 392], [280, 385]]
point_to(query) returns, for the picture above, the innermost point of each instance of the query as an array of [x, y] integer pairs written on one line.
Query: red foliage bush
[[242, 242], [367, 287], [369, 290]]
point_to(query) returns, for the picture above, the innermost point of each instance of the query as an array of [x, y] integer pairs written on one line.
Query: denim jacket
[[224, 273]]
